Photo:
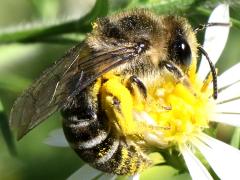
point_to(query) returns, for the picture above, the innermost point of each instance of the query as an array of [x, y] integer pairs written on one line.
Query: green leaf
[[13, 83], [163, 172], [6, 133], [39, 32], [118, 5], [45, 8], [235, 141], [1, 107], [188, 7], [163, 6]]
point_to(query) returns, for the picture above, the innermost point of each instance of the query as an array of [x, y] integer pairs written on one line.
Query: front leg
[[135, 84]]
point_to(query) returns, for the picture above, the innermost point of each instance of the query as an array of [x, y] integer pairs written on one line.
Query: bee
[[135, 46]]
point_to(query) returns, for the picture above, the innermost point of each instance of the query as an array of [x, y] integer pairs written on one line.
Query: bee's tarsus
[[171, 68], [176, 72], [142, 88]]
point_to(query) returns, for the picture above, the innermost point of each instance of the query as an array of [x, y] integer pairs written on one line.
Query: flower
[[188, 133], [192, 109], [223, 159]]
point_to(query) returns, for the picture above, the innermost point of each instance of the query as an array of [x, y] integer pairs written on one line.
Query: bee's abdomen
[[103, 148], [96, 140]]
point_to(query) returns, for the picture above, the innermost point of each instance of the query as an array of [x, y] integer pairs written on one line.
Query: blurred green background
[[20, 64], [23, 59]]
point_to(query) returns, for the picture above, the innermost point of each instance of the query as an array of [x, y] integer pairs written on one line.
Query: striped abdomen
[[97, 142], [103, 148]]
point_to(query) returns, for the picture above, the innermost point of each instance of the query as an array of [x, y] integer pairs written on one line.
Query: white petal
[[135, 177], [229, 107], [230, 76], [223, 158], [56, 138], [212, 143], [230, 92], [195, 167], [215, 37], [85, 172], [229, 119]]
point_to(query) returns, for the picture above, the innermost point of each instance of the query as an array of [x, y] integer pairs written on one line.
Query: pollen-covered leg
[[124, 108], [118, 155], [117, 102], [131, 158], [95, 136]]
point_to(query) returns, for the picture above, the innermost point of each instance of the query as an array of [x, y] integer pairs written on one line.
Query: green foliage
[[42, 32], [235, 141], [6, 133], [27, 50], [47, 32]]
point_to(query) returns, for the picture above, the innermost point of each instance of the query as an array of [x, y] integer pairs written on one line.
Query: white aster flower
[[223, 158], [187, 134]]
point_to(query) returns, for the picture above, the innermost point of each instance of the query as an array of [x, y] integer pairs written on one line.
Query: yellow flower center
[[179, 110], [173, 112]]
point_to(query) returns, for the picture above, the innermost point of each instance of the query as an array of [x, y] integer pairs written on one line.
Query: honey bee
[[135, 46]]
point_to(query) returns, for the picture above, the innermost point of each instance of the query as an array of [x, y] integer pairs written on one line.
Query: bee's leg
[[172, 68], [134, 80], [176, 72]]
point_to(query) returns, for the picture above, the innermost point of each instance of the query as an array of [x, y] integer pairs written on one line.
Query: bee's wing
[[89, 68], [35, 104], [79, 68]]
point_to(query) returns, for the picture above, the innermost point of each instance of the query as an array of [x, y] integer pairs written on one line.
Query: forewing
[[36, 104], [90, 68], [59, 84]]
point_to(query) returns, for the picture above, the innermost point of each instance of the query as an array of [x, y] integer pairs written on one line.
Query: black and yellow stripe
[[97, 142]]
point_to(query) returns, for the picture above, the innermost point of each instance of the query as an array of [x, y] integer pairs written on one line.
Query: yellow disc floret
[[172, 113]]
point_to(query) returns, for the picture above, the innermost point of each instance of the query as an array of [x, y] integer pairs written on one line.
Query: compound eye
[[182, 52]]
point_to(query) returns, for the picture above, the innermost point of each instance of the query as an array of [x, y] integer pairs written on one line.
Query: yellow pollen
[[173, 112], [189, 111]]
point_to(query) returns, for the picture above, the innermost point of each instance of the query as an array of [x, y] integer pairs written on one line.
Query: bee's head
[[181, 43], [158, 39], [165, 38]]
